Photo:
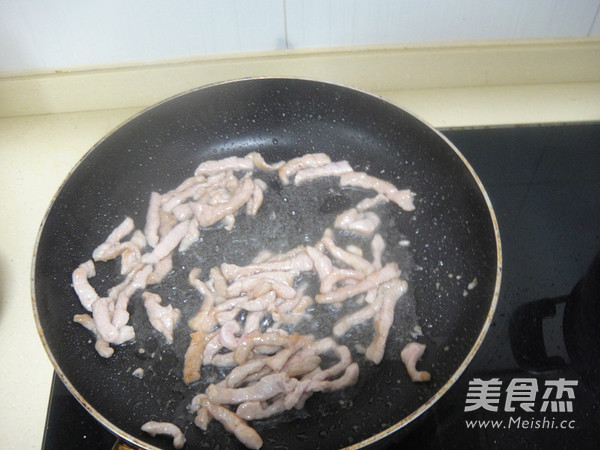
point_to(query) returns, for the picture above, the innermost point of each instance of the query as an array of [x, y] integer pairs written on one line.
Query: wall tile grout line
[[596, 19]]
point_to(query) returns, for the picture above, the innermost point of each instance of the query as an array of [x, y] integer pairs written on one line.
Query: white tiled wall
[[58, 33], [314, 23], [42, 34]]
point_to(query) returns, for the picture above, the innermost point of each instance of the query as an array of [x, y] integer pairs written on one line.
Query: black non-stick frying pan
[[452, 233]]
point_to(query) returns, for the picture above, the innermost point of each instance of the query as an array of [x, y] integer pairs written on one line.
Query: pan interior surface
[[451, 262]]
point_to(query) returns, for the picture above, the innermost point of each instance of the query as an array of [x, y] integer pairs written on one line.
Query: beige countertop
[[48, 121]]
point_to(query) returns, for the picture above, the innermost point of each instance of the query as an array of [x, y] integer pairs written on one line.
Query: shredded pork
[[241, 321], [403, 198], [162, 318], [84, 290], [410, 355], [310, 160], [329, 170], [153, 428]]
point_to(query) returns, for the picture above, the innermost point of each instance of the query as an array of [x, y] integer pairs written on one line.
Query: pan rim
[[372, 439], [489, 317]]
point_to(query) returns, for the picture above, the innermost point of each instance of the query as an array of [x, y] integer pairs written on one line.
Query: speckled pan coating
[[453, 239]]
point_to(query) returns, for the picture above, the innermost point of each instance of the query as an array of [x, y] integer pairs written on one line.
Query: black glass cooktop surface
[[535, 382]]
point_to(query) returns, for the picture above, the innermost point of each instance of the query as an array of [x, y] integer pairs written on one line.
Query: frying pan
[[453, 240]]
